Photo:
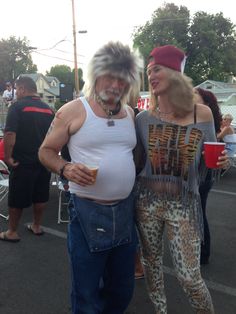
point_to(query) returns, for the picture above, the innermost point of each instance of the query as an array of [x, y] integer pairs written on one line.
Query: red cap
[[169, 56]]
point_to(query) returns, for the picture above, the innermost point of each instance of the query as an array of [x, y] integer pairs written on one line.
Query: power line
[[68, 52], [57, 43], [54, 57]]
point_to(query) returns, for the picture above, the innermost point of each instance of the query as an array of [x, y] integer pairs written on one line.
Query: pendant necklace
[[109, 112], [162, 115]]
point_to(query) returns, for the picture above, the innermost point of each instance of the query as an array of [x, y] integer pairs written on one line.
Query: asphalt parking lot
[[35, 279]]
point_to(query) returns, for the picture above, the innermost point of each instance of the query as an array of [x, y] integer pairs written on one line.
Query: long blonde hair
[[180, 93], [134, 94]]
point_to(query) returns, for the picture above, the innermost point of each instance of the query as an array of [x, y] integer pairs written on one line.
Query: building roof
[[53, 90], [223, 91]]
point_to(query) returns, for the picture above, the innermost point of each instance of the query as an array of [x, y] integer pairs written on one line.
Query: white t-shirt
[[8, 95], [230, 140]]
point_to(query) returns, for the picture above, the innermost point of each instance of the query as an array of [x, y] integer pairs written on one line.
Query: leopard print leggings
[[152, 216]]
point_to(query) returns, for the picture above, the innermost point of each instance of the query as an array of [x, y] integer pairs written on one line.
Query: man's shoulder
[[4, 93], [72, 114], [73, 107], [44, 104], [33, 102], [143, 114]]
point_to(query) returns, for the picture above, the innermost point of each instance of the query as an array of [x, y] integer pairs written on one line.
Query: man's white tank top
[[114, 145]]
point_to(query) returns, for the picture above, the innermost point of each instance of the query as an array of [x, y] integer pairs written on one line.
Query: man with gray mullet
[[101, 234]]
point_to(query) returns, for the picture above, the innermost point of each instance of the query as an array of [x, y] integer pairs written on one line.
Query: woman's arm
[[225, 131]]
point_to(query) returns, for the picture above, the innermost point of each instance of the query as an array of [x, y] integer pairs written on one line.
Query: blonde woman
[[226, 127], [171, 136]]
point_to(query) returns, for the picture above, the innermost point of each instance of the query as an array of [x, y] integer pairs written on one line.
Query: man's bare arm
[[56, 138], [9, 143], [67, 121]]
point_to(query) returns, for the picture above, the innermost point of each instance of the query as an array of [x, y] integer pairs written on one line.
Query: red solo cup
[[212, 151]]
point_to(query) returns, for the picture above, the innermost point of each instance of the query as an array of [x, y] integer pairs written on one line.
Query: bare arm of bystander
[[9, 142], [225, 131]]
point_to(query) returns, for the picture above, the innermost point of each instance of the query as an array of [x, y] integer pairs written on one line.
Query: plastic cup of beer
[[93, 164], [212, 151]]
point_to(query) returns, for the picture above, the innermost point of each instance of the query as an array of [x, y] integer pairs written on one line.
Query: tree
[[80, 75], [63, 73], [15, 58], [209, 40], [211, 48], [169, 25], [66, 76]]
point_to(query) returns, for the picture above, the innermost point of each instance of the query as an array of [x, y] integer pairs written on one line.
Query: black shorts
[[27, 185]]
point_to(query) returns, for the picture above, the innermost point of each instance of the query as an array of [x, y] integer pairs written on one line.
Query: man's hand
[[11, 162], [79, 174]]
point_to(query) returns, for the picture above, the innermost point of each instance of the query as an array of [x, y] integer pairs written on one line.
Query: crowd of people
[[151, 166]]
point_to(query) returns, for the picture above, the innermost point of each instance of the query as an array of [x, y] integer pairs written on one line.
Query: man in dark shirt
[[27, 123]]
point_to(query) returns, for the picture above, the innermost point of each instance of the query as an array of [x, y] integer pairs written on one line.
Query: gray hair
[[116, 59]]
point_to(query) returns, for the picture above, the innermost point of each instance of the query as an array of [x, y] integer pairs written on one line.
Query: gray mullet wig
[[116, 59]]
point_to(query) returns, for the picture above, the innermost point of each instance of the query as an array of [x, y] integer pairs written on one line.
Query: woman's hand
[[223, 160]]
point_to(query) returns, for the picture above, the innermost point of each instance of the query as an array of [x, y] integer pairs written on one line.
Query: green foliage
[[80, 75], [58, 104], [65, 75], [211, 48], [15, 58], [169, 25], [209, 40]]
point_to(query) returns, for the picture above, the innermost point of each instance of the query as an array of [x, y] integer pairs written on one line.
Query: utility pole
[[75, 52]]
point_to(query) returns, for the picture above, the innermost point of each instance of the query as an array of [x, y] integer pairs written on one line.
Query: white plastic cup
[[92, 163]]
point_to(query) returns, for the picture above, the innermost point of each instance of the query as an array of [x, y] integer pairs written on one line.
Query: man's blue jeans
[[103, 281]]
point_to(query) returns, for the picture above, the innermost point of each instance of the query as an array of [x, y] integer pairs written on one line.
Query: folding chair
[[4, 183], [63, 200], [230, 146]]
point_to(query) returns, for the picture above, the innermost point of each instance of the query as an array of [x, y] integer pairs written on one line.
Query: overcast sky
[[47, 24]]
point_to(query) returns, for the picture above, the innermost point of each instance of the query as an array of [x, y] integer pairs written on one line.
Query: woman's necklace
[[164, 113], [109, 112], [163, 116]]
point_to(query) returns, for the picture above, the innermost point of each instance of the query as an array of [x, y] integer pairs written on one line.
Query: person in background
[[27, 123], [207, 98], [227, 135], [226, 127], [170, 144], [99, 124], [9, 95]]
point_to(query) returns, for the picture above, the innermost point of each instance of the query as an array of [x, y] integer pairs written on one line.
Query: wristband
[[62, 170]]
